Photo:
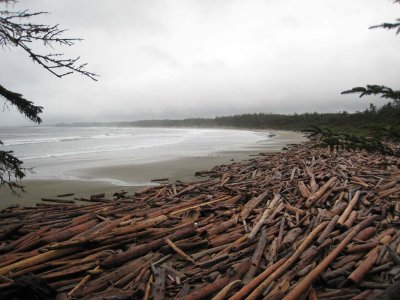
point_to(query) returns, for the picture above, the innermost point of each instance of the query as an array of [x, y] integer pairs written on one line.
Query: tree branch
[[388, 26], [383, 91], [11, 171], [16, 31], [24, 106]]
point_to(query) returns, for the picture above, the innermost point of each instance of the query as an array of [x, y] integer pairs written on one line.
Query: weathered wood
[[290, 237], [365, 234], [329, 228], [321, 191], [198, 233], [237, 272], [307, 281], [222, 227], [365, 266], [9, 231], [36, 260], [292, 259], [68, 233], [223, 293], [179, 251], [250, 205], [349, 208], [264, 216], [56, 200], [137, 251], [256, 259], [159, 284]]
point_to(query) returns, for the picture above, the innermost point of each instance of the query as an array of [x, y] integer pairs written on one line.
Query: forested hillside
[[367, 122]]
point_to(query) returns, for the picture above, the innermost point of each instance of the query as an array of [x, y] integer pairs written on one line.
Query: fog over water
[[202, 58]]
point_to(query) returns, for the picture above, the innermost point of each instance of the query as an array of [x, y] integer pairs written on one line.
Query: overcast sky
[[202, 58]]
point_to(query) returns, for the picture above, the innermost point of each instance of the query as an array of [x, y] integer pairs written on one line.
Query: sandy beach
[[141, 174]]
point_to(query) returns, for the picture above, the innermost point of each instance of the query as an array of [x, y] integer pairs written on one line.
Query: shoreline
[[132, 177]]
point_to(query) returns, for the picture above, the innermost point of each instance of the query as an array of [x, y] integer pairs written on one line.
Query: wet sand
[[140, 175]]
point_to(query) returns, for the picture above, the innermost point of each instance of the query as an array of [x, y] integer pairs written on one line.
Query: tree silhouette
[[17, 31], [383, 91]]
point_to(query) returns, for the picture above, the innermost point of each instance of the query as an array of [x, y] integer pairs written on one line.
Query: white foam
[[83, 152]]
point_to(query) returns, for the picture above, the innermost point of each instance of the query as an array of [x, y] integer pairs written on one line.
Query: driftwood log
[[302, 223]]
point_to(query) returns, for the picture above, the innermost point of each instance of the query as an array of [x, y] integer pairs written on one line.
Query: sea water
[[54, 152]]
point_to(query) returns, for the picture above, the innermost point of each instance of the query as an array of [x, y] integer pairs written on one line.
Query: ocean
[[58, 152]]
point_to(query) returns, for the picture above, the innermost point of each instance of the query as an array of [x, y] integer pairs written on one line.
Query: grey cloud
[[184, 58]]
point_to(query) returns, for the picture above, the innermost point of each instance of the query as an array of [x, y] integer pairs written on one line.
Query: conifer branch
[[383, 91]]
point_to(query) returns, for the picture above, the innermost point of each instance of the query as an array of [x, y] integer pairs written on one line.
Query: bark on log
[[307, 281], [292, 259], [358, 274], [237, 272], [264, 217]]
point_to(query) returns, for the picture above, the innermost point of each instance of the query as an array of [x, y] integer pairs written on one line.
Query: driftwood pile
[[290, 225]]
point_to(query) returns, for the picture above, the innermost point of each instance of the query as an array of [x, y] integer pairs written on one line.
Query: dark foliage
[[345, 141], [383, 91], [25, 107], [389, 26], [371, 122], [11, 171]]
